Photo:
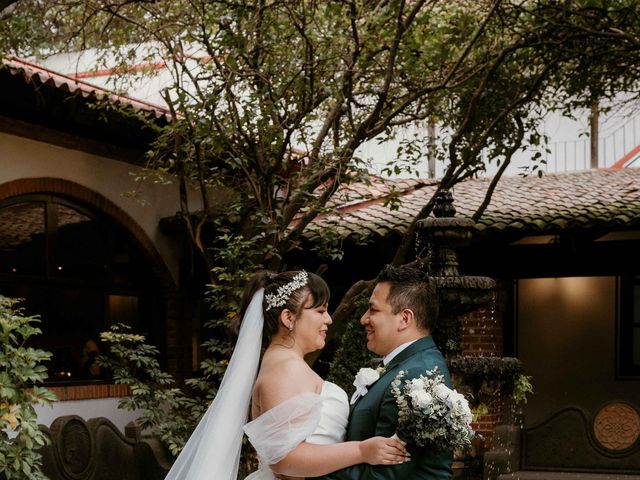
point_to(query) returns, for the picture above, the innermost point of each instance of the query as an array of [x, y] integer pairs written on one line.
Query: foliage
[[273, 101], [21, 370], [352, 354], [521, 388], [165, 412], [430, 414], [486, 379]]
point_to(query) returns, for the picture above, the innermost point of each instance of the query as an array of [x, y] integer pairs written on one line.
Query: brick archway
[[177, 343], [98, 203]]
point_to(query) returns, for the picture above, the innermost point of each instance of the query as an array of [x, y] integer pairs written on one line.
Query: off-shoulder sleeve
[[278, 431]]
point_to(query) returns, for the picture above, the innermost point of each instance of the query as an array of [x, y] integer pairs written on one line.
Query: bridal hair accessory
[[284, 292]]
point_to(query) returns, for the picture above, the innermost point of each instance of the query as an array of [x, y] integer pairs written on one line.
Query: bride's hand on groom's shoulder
[[384, 451]]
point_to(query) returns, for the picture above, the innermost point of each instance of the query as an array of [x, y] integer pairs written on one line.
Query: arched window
[[81, 272]]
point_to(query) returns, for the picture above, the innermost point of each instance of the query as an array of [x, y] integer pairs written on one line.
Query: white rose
[[421, 399], [365, 377], [461, 407], [456, 397], [441, 391], [415, 385]]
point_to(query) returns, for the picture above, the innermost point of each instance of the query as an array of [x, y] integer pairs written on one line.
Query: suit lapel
[[417, 346]]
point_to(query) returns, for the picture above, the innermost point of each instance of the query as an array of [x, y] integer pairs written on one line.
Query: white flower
[[441, 391], [416, 384], [430, 413], [457, 398], [460, 406], [365, 377], [421, 399]]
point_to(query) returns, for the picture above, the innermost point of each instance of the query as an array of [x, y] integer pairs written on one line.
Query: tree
[[272, 100]]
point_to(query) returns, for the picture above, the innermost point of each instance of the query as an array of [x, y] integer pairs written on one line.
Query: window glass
[[80, 273], [22, 239], [82, 245]]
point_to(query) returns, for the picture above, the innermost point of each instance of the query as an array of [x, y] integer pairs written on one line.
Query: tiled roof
[[555, 202], [38, 75]]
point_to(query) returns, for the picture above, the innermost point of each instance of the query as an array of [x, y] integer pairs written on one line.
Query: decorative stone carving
[[96, 450], [73, 447], [617, 426]]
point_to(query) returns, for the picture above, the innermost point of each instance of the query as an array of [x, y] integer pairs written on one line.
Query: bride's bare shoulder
[[282, 378]]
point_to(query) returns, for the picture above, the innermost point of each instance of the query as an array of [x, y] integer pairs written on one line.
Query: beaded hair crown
[[284, 292]]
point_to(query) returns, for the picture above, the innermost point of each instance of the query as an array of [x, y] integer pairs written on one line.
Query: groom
[[402, 312]]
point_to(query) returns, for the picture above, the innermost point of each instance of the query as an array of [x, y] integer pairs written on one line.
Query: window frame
[[143, 290], [625, 326]]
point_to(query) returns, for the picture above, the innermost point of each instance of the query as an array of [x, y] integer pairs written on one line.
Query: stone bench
[[532, 475], [571, 444], [96, 450]]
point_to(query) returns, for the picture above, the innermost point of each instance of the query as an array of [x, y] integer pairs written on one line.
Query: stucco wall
[[566, 340], [100, 407], [22, 158]]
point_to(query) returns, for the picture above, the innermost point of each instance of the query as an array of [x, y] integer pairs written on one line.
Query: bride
[[299, 420]]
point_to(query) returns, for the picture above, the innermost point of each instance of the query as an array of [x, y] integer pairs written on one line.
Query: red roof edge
[[620, 163], [71, 84]]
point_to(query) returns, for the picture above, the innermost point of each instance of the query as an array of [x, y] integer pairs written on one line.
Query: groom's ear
[[407, 318]]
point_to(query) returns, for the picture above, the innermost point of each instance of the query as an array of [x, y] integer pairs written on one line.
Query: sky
[[568, 138]]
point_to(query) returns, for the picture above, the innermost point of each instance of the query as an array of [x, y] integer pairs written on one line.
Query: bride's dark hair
[[316, 288]]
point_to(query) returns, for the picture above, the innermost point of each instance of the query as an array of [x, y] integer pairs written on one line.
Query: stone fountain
[[482, 379], [459, 294]]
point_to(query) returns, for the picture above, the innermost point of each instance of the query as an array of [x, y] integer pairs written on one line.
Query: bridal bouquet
[[431, 414]]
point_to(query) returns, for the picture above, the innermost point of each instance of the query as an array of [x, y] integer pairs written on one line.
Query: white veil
[[213, 450]]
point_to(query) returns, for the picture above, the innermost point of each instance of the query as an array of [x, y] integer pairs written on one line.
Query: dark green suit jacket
[[376, 413]]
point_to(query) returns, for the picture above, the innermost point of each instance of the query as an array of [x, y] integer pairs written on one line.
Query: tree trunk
[[594, 121]]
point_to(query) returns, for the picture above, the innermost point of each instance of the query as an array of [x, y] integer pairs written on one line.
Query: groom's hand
[[285, 477]]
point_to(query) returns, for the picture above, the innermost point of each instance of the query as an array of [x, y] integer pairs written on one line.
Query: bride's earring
[[291, 327]]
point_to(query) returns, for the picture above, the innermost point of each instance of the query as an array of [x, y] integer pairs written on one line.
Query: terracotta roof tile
[[592, 198], [38, 75]]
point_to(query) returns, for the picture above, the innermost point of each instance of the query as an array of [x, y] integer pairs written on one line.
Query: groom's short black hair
[[413, 289]]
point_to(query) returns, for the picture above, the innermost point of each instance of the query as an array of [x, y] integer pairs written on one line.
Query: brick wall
[[88, 392], [482, 335]]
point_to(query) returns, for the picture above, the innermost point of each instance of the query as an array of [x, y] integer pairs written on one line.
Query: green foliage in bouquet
[[21, 370], [430, 414]]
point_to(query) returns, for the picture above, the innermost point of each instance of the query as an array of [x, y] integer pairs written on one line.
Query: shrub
[[165, 412], [21, 370], [485, 379]]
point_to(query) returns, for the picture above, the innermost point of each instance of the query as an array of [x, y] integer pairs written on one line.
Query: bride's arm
[[312, 460]]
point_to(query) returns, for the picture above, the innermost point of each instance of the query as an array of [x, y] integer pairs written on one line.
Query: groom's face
[[380, 323]]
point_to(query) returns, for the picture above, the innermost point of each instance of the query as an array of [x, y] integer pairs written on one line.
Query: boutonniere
[[364, 378]]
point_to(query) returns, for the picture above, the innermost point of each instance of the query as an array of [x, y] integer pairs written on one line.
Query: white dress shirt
[[394, 353]]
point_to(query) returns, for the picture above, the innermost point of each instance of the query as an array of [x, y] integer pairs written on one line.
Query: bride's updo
[[287, 290]]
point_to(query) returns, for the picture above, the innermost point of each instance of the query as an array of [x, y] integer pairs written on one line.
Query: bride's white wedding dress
[[213, 450], [315, 418]]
